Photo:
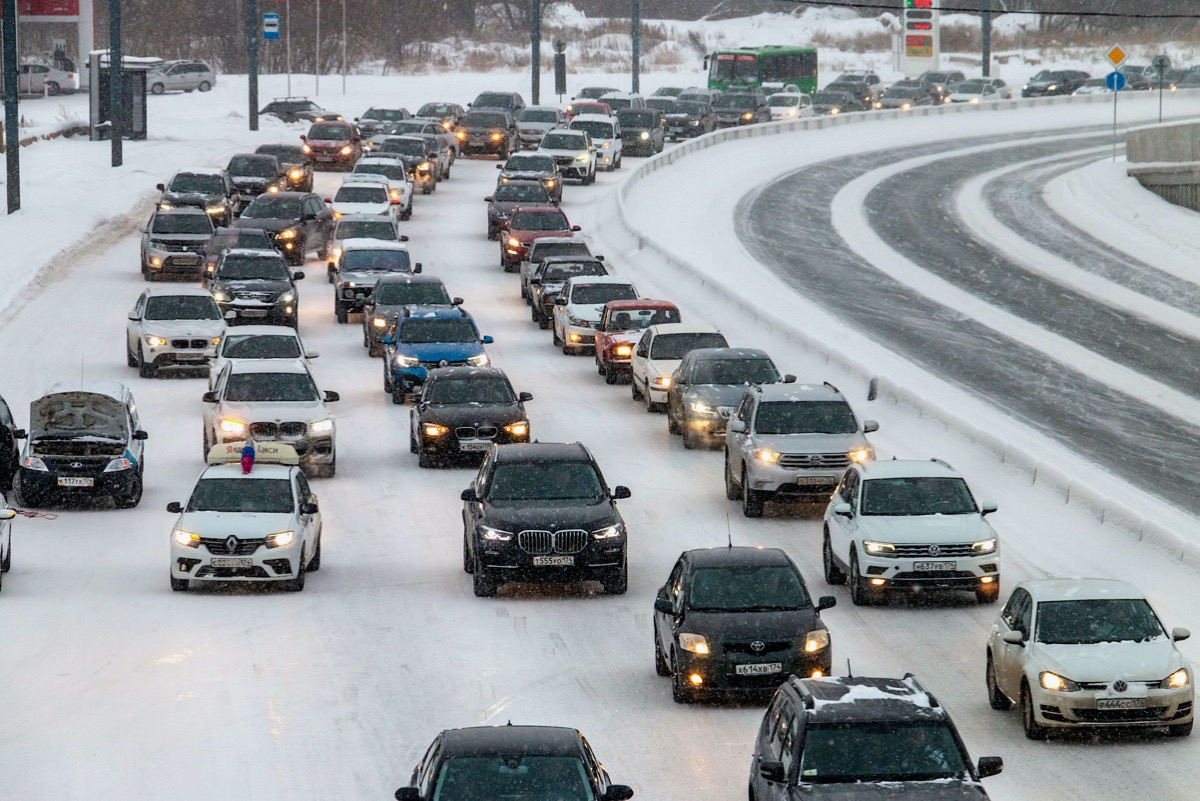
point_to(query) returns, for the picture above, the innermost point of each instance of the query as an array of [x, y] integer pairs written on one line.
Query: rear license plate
[[933, 566], [474, 446], [1120, 703], [763, 669], [226, 562], [75, 481], [810, 481], [554, 561]]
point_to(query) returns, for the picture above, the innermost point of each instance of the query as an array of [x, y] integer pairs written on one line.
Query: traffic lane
[[1134, 439]]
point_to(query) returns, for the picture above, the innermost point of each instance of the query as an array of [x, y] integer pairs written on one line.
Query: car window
[[236, 267], [416, 330], [361, 194], [880, 752], [375, 261], [1093, 621], [199, 183], [465, 778], [270, 387], [365, 229], [734, 371], [266, 207], [539, 222], [747, 588], [492, 389], [181, 224], [521, 193], [556, 141], [260, 346], [675, 346], [597, 294], [181, 307], [398, 294]]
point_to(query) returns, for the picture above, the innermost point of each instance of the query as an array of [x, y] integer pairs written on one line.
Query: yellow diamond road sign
[[1116, 55]]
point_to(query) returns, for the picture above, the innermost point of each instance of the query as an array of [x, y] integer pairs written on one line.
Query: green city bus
[[754, 66]]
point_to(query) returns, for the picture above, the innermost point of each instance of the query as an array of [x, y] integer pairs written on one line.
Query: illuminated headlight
[[550, 183], [694, 123], [274, 190], [662, 381], [379, 322], [445, 125], [337, 253], [700, 407], [513, 242], [34, 463], [431, 430], [478, 360], [1051, 87], [983, 547], [155, 261], [878, 104], [518, 429], [406, 361], [394, 194], [281, 539], [496, 137], [346, 150], [1179, 678], [605, 145], [834, 111], [767, 455], [337, 215], [816, 640], [582, 157], [214, 209], [424, 165], [878, 548], [155, 342], [322, 425], [231, 426], [860, 455], [288, 297], [748, 116], [905, 106], [973, 100], [495, 534], [1026, 86], [460, 135], [164, 205], [186, 538], [644, 135], [216, 340], [295, 175], [287, 233], [221, 296], [1057, 683], [118, 464], [791, 112], [305, 149], [624, 351], [609, 532], [696, 643]]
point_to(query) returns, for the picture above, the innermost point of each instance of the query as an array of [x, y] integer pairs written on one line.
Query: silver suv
[[793, 440], [184, 76]]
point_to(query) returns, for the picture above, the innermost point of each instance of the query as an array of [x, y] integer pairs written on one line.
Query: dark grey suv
[[707, 387]]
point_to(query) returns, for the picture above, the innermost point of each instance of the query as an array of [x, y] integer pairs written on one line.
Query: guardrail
[[1095, 500]]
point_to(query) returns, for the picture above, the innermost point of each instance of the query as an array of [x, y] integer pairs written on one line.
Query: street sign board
[[1161, 63], [270, 26], [1115, 81], [1115, 56]]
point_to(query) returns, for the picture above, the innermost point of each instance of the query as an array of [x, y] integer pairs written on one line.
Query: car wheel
[[611, 376], [424, 459], [412, 441], [493, 235], [591, 178], [323, 251], [617, 581], [297, 584], [179, 585], [30, 500], [996, 698], [314, 564], [833, 573], [157, 88], [554, 334], [397, 394], [568, 350], [860, 592], [691, 440], [653, 407], [425, 190], [732, 490], [204, 86], [989, 595], [542, 321], [130, 359], [446, 175], [482, 583], [1033, 729], [752, 500], [387, 378], [132, 498], [633, 389], [144, 370], [681, 693], [1180, 729], [673, 426], [340, 313], [468, 564], [661, 666]]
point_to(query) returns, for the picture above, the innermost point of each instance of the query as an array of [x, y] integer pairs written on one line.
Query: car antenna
[[849, 672], [728, 532]]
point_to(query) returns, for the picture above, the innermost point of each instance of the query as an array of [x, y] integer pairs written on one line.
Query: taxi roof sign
[[264, 452], [1116, 56]]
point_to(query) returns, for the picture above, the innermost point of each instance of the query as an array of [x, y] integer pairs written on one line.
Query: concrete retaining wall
[[1166, 160]]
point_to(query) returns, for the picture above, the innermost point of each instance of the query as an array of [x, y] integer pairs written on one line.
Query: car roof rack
[[942, 462], [831, 386]]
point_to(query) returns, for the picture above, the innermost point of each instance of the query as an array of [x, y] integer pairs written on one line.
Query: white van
[[184, 76]]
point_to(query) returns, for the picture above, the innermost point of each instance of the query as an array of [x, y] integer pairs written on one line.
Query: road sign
[[1115, 81], [1161, 63], [270, 26], [1115, 56]]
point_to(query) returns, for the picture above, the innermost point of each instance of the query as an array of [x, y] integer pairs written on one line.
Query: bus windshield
[[734, 68]]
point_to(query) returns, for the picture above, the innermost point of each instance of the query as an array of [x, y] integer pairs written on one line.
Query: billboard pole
[[12, 130]]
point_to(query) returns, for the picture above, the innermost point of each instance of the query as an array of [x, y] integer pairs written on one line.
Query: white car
[[257, 525], [6, 518], [573, 152], [168, 327], [37, 79], [1003, 90], [578, 308], [909, 524], [1084, 652], [363, 197], [257, 342], [272, 400], [659, 352], [789, 106], [605, 132], [975, 90], [1094, 86], [397, 177]]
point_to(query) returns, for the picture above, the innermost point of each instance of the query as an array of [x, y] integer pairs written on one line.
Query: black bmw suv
[[543, 512], [255, 286], [462, 411]]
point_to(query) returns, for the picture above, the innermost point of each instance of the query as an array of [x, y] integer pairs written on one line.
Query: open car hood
[[78, 415]]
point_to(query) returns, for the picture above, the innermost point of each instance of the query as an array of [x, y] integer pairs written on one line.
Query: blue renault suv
[[425, 338]]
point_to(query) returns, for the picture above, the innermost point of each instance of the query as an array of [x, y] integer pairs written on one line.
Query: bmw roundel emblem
[[1120, 686], [757, 646]]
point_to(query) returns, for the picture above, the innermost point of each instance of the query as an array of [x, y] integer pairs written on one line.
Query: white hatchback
[[578, 308], [658, 354], [606, 137]]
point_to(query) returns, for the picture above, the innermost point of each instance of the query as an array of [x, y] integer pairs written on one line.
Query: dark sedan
[[206, 189], [831, 103], [643, 131], [533, 167], [688, 118], [255, 173], [491, 131], [224, 239], [507, 197], [1054, 82], [463, 411], [373, 119], [392, 296], [298, 221], [291, 158], [741, 109]]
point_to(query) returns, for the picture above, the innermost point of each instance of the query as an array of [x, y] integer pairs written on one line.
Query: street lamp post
[[635, 31], [535, 50]]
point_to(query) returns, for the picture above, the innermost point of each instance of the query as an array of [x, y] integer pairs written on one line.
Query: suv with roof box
[[858, 737]]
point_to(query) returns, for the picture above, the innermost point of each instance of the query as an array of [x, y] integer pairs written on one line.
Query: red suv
[[525, 224], [621, 325], [335, 144]]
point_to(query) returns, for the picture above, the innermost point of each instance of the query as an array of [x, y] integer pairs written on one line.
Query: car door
[[310, 524], [841, 528], [1009, 659], [133, 328], [425, 773], [735, 441], [780, 747], [664, 622], [473, 510], [212, 407], [637, 362]]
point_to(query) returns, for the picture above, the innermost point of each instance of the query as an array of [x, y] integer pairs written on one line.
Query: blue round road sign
[[1115, 81]]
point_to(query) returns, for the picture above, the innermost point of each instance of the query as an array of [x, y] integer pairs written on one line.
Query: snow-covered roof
[[908, 468], [1080, 589], [261, 470], [177, 291], [683, 328], [366, 243], [200, 171], [268, 366]]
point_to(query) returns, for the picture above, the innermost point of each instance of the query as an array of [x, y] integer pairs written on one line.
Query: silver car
[[181, 76]]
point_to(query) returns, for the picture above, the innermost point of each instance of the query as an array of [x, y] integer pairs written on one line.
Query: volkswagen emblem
[[76, 465], [1120, 686], [231, 544], [934, 550], [757, 646]]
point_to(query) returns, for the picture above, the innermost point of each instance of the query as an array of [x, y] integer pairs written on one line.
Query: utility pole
[[343, 46], [317, 69], [985, 20], [252, 59], [635, 30], [535, 51], [287, 31], [116, 105], [12, 119]]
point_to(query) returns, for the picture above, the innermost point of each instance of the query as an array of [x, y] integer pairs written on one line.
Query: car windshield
[[376, 261], [597, 128], [559, 272], [637, 319], [193, 182], [748, 588], [181, 307], [417, 330], [435, 110], [384, 114], [1096, 620], [262, 495], [261, 346], [636, 118], [917, 496], [538, 115], [829, 98], [512, 778], [599, 294], [879, 752], [406, 127], [268, 207], [484, 120], [252, 167], [783, 100], [690, 108], [252, 268], [365, 229], [904, 92], [545, 481], [513, 193], [563, 141], [240, 238], [940, 77], [489, 389], [971, 87], [530, 162], [287, 154], [395, 170], [734, 371], [542, 250], [329, 133], [538, 222], [663, 104], [494, 100], [361, 194], [676, 346], [735, 102], [805, 417], [270, 388], [390, 293], [1045, 76], [593, 92], [181, 224], [405, 147]]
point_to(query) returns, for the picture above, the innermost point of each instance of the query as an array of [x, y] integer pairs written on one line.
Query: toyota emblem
[[76, 465], [231, 544], [757, 646], [1120, 686], [934, 550]]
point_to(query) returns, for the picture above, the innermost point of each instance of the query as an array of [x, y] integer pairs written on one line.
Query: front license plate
[[190, 357], [554, 561], [227, 562], [187, 259], [933, 566], [763, 669], [1120, 703], [811, 481], [473, 447], [75, 481], [324, 158], [253, 313]]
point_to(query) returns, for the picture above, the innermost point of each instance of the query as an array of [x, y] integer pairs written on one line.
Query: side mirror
[[560, 301], [303, 137], [1014, 638], [771, 771], [311, 354], [469, 494], [134, 316], [487, 340], [140, 435], [209, 397], [663, 605], [618, 792], [599, 258], [987, 507], [621, 493], [230, 315], [7, 514], [20, 434], [535, 282], [416, 268], [524, 397], [328, 200], [737, 426], [869, 426], [160, 187], [789, 379], [309, 508], [389, 340], [826, 602], [403, 237], [990, 766], [408, 794], [332, 397], [456, 301], [144, 230], [843, 509], [499, 166], [576, 228], [487, 199], [1178, 634], [174, 507], [298, 276]]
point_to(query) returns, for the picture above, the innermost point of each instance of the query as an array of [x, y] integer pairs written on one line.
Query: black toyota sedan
[[292, 159], [543, 512], [462, 411]]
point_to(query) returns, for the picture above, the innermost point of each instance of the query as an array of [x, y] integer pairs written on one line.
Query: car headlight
[[605, 145], [165, 204], [186, 538], [322, 425], [609, 532], [216, 340], [694, 123], [288, 297], [700, 407], [496, 137], [379, 322], [231, 426], [644, 135], [295, 175], [445, 125], [582, 157], [287, 233], [549, 183], [1179, 678], [623, 350], [878, 548], [431, 430], [34, 463], [767, 455], [424, 165], [696, 643], [155, 342], [214, 209], [816, 640], [281, 539], [460, 135], [394, 194], [1051, 87], [576, 321], [495, 534], [118, 464], [518, 429], [513, 242], [661, 381], [983, 546], [478, 360], [406, 361], [346, 150], [221, 296], [748, 116], [1057, 683], [860, 455], [905, 106], [834, 111]]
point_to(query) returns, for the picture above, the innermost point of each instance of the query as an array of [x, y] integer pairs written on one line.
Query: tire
[[732, 490], [207, 447], [691, 440], [590, 179], [482, 584], [130, 359], [412, 441], [297, 584], [157, 88], [388, 387], [340, 313], [204, 86], [634, 391], [323, 251], [554, 334], [1180, 729], [492, 235], [424, 459], [752, 500], [996, 699], [611, 377], [681, 693], [468, 563], [568, 350], [652, 407], [144, 370], [673, 426], [425, 190], [53, 88], [179, 585], [315, 563], [833, 573], [661, 666], [543, 322], [1033, 730], [135, 494], [860, 595], [617, 582], [398, 395], [6, 565], [28, 500]]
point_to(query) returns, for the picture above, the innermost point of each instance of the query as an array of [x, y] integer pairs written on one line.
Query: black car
[[737, 619], [517, 762], [511, 102], [207, 189], [294, 109], [255, 173], [299, 171], [419, 157], [741, 109], [548, 279], [393, 294], [543, 512], [860, 737], [463, 411], [643, 131], [256, 287], [10, 447], [490, 131], [1054, 82], [445, 114], [172, 242], [938, 82], [861, 90], [689, 118], [507, 197], [373, 119], [709, 384], [299, 222], [830, 103], [224, 239], [533, 167]]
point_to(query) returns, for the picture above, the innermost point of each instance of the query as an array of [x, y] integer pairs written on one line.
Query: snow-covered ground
[[117, 688]]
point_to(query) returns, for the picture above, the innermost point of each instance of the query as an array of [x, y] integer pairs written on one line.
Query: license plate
[[187, 259], [252, 312], [554, 561], [933, 566], [1120, 703], [762, 669], [324, 158], [227, 562], [474, 446], [810, 481], [190, 357], [75, 481]]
